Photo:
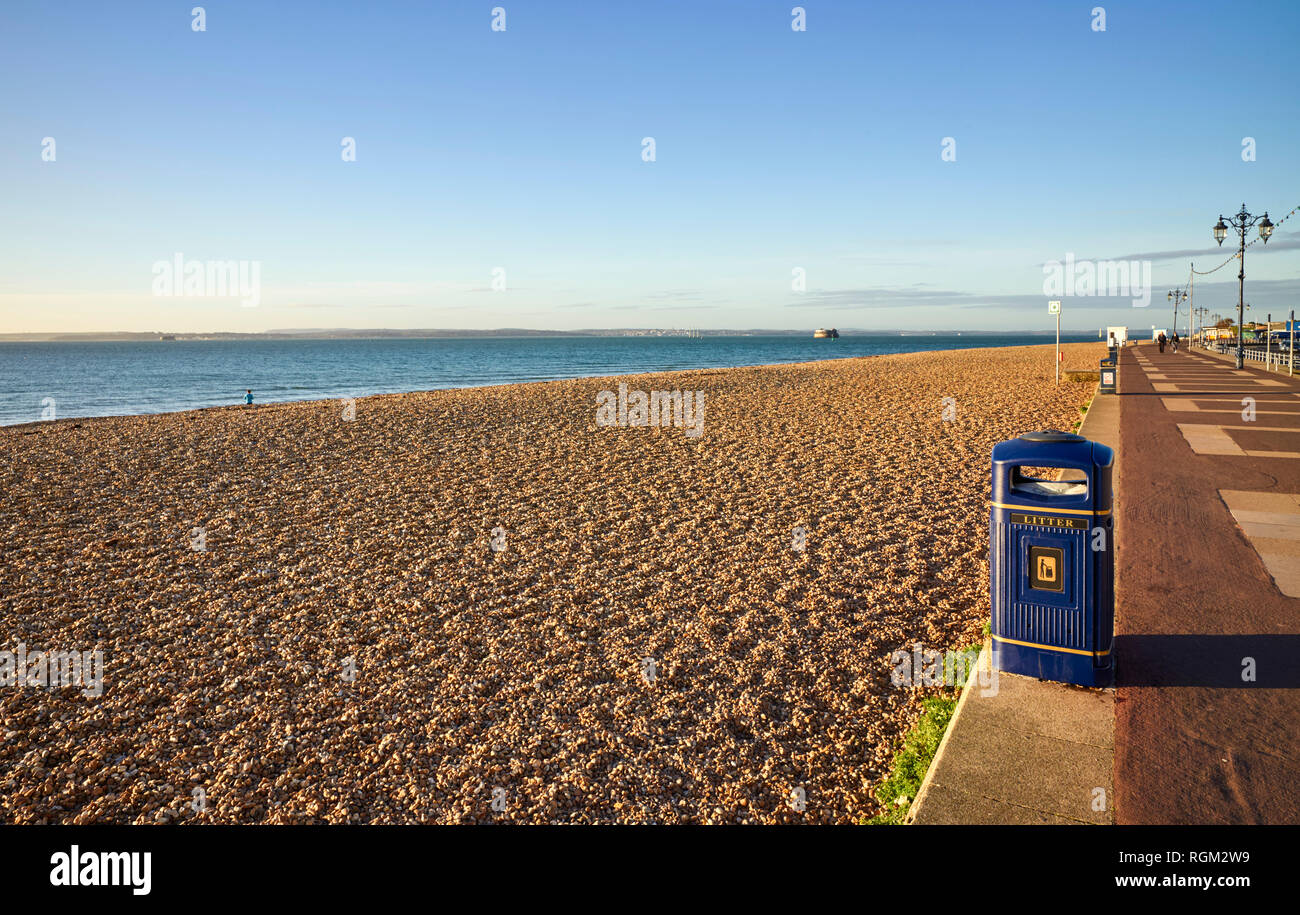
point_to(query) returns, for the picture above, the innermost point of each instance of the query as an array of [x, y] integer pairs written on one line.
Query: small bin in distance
[[1109, 375]]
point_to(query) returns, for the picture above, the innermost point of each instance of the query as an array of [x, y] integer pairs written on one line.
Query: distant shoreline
[[235, 405]]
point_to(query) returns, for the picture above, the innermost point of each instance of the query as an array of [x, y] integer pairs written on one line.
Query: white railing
[[1271, 359]]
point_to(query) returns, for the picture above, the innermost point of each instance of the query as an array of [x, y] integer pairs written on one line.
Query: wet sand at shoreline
[[353, 642]]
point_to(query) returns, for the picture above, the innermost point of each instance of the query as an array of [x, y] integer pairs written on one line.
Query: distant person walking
[[1175, 341], [1162, 341], [248, 398]]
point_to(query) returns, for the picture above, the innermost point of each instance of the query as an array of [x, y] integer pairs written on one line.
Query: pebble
[[368, 542]]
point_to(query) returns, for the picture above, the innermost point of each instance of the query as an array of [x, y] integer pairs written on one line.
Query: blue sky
[[522, 150]]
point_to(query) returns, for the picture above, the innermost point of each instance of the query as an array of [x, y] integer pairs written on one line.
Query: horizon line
[[500, 333]]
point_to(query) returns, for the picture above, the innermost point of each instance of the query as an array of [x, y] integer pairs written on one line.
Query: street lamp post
[[1241, 222], [1177, 296]]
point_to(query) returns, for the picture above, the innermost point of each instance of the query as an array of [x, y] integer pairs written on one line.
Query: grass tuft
[[899, 789]]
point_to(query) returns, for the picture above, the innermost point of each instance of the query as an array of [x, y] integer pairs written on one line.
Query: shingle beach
[[465, 596]]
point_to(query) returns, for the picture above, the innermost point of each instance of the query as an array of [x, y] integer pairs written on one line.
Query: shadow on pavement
[[1253, 392], [1208, 660]]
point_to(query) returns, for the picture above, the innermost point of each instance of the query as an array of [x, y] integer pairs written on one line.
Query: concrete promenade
[[1204, 726], [1207, 723]]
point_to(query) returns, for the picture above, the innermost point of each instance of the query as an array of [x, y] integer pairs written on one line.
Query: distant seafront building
[[822, 332]]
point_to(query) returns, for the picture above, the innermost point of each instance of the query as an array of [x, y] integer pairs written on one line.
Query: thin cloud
[[677, 294], [1289, 242], [661, 307], [1264, 293]]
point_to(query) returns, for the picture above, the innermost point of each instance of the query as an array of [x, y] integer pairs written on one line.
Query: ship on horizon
[[823, 333]]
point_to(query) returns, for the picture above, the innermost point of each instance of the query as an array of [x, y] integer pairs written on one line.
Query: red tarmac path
[[1194, 742]]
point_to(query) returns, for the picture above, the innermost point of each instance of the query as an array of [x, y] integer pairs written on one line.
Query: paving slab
[[947, 806]]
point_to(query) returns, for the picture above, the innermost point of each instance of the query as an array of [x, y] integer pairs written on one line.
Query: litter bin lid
[[1052, 435]]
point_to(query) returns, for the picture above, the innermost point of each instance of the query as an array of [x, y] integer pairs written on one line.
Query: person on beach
[[248, 398], [1162, 341]]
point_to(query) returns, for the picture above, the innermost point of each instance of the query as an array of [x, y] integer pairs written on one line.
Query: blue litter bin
[[1052, 559]]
